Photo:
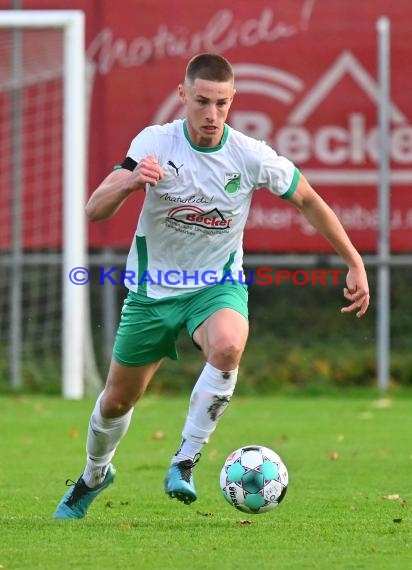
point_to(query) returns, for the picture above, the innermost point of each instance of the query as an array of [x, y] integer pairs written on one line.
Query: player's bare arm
[[118, 185], [322, 217]]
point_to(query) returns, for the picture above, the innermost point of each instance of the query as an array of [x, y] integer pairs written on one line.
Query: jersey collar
[[206, 148]]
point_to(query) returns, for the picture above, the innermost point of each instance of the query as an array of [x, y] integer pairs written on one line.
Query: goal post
[[73, 184]]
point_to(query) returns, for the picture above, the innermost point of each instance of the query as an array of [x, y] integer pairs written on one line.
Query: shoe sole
[[182, 497]]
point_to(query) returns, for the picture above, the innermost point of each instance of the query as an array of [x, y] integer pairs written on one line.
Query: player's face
[[207, 105]]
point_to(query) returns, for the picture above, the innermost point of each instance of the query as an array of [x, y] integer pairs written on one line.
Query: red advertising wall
[[306, 80]]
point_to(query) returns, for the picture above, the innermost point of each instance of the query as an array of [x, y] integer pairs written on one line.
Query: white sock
[[103, 437], [210, 398]]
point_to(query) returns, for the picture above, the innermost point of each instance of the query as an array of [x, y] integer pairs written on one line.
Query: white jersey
[[190, 230]]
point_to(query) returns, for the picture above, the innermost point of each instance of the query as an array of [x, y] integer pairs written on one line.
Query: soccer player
[[185, 267]]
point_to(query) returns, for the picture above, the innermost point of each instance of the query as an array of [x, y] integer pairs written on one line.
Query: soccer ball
[[254, 479]]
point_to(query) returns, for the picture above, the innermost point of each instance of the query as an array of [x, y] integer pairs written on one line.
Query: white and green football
[[254, 479]]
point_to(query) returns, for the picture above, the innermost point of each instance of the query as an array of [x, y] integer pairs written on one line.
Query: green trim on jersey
[[141, 247], [228, 265], [289, 193], [206, 148]]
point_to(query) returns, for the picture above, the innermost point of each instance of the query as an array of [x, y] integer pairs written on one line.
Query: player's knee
[[115, 408], [226, 353]]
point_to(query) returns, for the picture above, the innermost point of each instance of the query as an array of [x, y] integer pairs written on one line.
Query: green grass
[[344, 455]]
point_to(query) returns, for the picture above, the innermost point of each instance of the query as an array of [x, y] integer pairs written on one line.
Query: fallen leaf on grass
[[158, 435], [333, 455], [393, 497], [244, 521], [73, 433]]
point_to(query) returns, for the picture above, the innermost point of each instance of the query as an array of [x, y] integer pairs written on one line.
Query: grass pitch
[[348, 504]]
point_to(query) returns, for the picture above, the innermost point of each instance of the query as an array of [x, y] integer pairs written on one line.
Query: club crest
[[232, 182]]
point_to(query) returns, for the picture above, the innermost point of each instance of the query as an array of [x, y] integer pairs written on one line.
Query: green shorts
[[148, 329]]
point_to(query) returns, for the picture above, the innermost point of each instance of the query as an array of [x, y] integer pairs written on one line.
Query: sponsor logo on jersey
[[195, 216], [173, 165], [232, 182], [193, 199]]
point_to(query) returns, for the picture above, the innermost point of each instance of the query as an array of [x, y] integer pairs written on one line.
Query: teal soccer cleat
[[77, 500], [179, 481]]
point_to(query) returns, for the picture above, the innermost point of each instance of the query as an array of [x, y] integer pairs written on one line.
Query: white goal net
[[43, 317]]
